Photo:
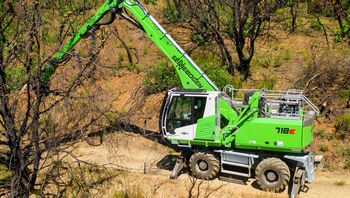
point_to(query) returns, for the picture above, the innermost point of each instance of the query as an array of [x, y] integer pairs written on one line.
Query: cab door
[[183, 114]]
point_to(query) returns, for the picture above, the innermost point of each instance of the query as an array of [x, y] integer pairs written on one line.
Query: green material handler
[[265, 133]]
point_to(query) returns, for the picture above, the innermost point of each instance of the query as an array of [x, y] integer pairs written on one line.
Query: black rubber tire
[[277, 170], [208, 173]]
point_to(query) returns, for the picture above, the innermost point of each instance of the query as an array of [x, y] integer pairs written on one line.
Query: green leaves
[[343, 126], [15, 77], [342, 32], [159, 78], [172, 13]]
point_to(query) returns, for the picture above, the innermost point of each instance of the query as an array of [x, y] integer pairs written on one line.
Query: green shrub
[[133, 67], [319, 7], [262, 61], [287, 55], [159, 78], [200, 37], [316, 25], [172, 13], [216, 71], [120, 58], [323, 148], [271, 59], [344, 94], [346, 5], [153, 2], [343, 126], [347, 165], [278, 62], [5, 174], [341, 33], [15, 78], [268, 82], [345, 152], [321, 134]]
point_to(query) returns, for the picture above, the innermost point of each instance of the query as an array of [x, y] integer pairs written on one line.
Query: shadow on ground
[[168, 162]]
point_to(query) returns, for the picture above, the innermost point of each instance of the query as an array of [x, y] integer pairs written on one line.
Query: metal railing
[[290, 104]]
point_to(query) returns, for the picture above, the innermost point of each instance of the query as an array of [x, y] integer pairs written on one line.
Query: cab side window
[[184, 111], [180, 113], [198, 107]]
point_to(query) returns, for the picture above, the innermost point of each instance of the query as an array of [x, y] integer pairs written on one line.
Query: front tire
[[272, 175], [204, 166]]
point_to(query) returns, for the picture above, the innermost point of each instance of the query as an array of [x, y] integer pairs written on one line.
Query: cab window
[[184, 111]]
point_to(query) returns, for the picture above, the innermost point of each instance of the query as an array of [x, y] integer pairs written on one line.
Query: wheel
[[272, 174], [204, 165]]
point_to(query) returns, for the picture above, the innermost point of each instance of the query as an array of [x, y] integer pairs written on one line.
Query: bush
[[345, 95], [319, 7], [345, 152], [200, 37], [323, 148], [153, 2], [341, 33], [172, 13], [268, 82], [347, 165], [287, 55], [316, 25], [160, 78], [15, 78], [278, 62], [273, 58], [216, 71], [5, 174], [321, 135], [343, 126]]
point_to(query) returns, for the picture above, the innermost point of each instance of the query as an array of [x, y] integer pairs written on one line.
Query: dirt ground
[[145, 165]]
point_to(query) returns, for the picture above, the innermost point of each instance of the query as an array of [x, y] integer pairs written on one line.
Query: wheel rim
[[202, 165], [271, 177]]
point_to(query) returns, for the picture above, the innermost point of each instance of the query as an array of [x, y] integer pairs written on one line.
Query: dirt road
[[140, 158]]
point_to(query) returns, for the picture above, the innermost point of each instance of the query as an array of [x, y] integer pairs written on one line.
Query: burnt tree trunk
[[293, 12]]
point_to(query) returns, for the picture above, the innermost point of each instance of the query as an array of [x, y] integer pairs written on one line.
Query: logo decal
[[181, 66]]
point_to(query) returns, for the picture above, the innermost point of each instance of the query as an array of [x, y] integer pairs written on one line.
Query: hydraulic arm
[[191, 76]]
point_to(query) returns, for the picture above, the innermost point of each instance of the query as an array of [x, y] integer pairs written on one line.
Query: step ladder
[[235, 159]]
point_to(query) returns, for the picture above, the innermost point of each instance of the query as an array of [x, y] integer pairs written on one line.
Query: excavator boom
[[191, 76]]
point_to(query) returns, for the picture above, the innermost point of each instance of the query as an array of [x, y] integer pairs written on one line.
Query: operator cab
[[185, 111]]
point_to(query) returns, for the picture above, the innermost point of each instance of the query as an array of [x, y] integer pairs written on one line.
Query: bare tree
[[248, 22], [343, 18], [200, 188], [325, 78], [219, 22], [35, 123], [293, 4]]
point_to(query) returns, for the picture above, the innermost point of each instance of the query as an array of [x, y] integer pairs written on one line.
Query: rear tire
[[204, 165], [272, 175]]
